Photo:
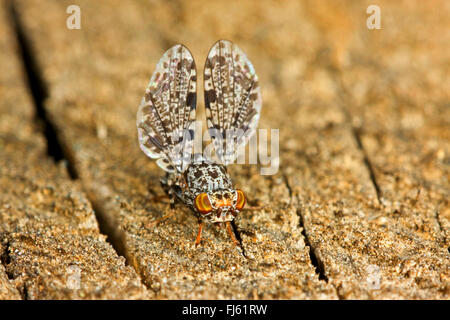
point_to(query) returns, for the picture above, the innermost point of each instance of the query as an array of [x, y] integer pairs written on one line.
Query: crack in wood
[[56, 147], [113, 235], [442, 231], [24, 292], [5, 259], [315, 260], [237, 234], [357, 135], [39, 93], [317, 263], [436, 215], [288, 186], [345, 98]]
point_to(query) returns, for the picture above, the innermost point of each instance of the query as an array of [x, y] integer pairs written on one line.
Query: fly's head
[[220, 205]]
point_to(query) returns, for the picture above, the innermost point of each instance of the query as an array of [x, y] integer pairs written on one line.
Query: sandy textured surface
[[359, 208], [51, 247]]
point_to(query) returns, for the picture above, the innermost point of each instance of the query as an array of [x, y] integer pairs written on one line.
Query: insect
[[166, 128]]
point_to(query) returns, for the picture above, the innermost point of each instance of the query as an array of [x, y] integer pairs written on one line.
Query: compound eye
[[202, 203], [240, 199]]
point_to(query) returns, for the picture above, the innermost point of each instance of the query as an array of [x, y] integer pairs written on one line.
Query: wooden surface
[[51, 247], [358, 210]]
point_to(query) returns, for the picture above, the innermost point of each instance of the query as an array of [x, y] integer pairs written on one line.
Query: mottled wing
[[232, 99], [166, 115]]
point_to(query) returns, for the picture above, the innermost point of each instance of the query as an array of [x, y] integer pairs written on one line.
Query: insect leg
[[248, 207], [172, 199], [252, 208], [158, 198], [199, 234], [168, 186], [157, 221], [165, 183]]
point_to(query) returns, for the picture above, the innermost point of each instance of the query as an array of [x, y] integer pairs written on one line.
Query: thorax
[[201, 177]]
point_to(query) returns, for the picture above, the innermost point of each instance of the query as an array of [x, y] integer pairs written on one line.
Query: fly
[[166, 128]]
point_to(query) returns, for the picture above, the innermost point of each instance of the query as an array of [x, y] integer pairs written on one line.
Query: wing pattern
[[166, 115], [232, 99]]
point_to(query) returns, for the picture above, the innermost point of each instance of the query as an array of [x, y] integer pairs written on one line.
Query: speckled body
[[208, 177]]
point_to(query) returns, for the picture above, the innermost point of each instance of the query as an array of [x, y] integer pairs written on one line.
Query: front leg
[[168, 185], [155, 222], [199, 233]]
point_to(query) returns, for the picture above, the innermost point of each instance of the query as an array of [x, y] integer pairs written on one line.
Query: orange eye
[[202, 203], [240, 199]]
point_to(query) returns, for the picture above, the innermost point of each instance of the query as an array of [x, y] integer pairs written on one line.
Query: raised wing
[[232, 99], [166, 115]]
